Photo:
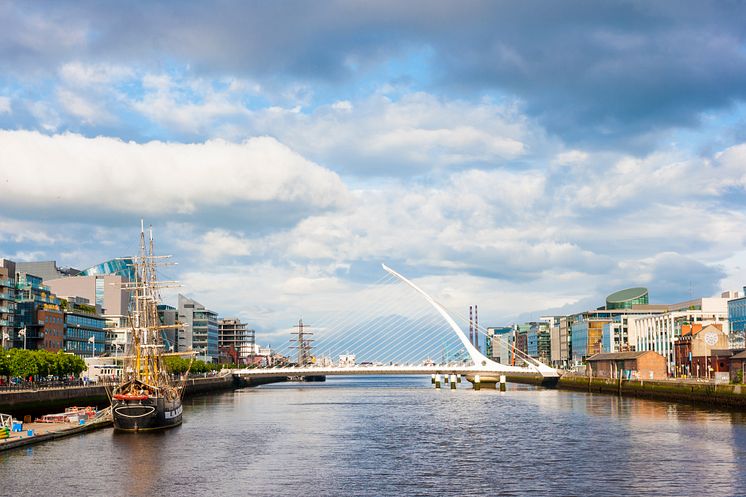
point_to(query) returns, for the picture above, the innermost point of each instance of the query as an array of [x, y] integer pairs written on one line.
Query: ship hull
[[153, 413]]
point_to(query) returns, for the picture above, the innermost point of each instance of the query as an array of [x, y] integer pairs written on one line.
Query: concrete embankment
[[37, 402], [716, 395]]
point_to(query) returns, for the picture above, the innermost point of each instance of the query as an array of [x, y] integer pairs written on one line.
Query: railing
[[48, 385]]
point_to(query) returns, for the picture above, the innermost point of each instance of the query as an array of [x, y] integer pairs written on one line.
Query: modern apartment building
[[236, 343], [84, 328], [199, 331], [7, 301], [32, 299]]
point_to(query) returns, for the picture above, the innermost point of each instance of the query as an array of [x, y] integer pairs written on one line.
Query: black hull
[[154, 413]]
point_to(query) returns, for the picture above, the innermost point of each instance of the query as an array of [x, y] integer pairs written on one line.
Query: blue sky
[[522, 156]]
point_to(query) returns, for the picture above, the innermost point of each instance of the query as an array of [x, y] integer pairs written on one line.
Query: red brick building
[[738, 365], [52, 329], [645, 365], [693, 350]]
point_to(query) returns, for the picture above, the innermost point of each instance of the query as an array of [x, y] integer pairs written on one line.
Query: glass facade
[[625, 299], [120, 267], [737, 320], [79, 328]]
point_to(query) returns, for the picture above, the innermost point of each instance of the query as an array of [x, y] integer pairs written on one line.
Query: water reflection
[[398, 436]]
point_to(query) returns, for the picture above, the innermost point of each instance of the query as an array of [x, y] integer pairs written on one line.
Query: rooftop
[[618, 356]]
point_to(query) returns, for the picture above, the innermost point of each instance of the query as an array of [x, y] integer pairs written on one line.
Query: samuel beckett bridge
[[398, 330]]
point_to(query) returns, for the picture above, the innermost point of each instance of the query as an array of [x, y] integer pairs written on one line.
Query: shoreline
[[721, 395]]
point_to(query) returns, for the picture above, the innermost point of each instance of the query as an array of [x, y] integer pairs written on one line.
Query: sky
[[529, 157]]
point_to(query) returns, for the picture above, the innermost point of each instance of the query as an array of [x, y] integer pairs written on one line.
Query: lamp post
[[92, 340], [22, 332], [6, 337]]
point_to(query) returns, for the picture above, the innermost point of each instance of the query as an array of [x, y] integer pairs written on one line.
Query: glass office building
[[120, 267]]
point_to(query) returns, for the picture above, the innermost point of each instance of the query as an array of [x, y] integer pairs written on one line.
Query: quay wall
[[720, 395], [38, 402]]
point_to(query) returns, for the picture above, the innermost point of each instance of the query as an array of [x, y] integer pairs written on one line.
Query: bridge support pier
[[437, 381], [453, 382]]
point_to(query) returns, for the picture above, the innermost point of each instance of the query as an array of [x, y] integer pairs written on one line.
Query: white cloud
[[5, 107], [88, 111], [64, 171], [47, 117], [79, 74], [417, 132]]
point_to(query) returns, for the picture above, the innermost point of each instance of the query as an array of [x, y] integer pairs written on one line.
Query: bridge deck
[[387, 370]]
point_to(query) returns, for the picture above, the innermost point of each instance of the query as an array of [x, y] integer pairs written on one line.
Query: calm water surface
[[398, 436]]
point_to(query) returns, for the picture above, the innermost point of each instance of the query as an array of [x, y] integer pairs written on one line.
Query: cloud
[[5, 106], [78, 74], [81, 107], [593, 74], [415, 133], [73, 172]]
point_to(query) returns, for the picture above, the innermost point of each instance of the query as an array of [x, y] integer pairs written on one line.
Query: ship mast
[[146, 339]]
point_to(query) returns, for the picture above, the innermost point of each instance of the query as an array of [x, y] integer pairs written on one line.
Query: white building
[[658, 331], [347, 360]]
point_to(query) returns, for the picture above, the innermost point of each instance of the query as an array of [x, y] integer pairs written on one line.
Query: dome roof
[[626, 295]]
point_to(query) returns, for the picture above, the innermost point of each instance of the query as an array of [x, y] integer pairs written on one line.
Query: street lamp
[[6, 337], [22, 332], [93, 341]]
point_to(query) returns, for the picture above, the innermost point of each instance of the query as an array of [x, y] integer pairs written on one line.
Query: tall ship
[[147, 398]]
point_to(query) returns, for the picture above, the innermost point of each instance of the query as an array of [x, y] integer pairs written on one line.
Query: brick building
[[645, 365]]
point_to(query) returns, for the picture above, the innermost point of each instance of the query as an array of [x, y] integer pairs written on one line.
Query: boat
[[147, 397]]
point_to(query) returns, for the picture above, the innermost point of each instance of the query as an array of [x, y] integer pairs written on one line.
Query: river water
[[392, 436]]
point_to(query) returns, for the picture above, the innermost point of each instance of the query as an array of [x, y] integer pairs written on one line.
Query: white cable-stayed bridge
[[398, 330]]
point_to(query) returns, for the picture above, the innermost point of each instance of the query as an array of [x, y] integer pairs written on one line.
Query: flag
[[22, 332], [92, 339]]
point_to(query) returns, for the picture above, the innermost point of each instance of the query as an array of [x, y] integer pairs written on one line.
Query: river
[[392, 436]]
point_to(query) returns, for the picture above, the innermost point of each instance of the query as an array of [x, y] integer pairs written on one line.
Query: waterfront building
[[497, 343], [560, 343], [737, 319], [647, 365], [102, 369], [537, 340], [84, 333], [46, 270], [35, 304], [109, 293], [199, 331], [737, 367], [658, 331], [7, 301], [347, 360], [124, 267], [51, 329], [587, 333], [169, 317], [235, 341], [693, 349]]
